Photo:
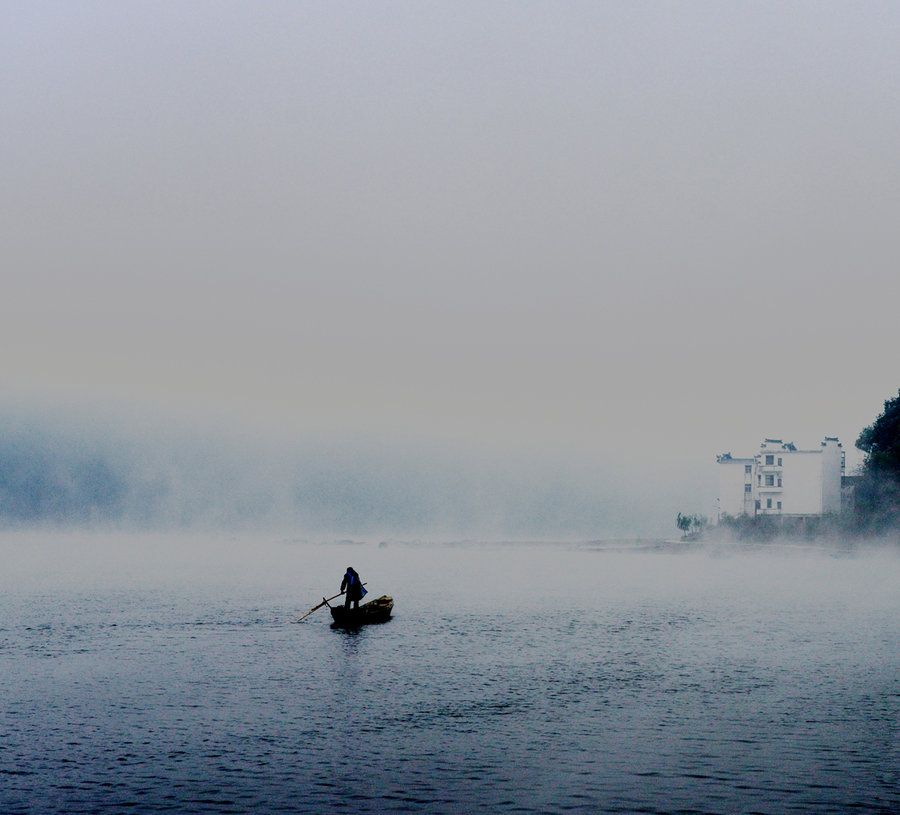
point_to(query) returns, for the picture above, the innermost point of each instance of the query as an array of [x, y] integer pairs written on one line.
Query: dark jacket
[[353, 584]]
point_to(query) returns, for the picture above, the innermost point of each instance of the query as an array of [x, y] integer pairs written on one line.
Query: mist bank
[[60, 468]]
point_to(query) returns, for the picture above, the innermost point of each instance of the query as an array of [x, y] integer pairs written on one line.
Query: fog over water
[[161, 673], [115, 470], [291, 287]]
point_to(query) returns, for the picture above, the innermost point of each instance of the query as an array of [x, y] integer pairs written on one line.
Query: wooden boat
[[375, 611]]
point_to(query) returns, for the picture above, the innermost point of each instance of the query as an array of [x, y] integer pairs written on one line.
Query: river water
[[151, 674]]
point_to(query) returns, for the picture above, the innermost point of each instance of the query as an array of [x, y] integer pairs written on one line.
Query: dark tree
[[877, 496], [880, 441]]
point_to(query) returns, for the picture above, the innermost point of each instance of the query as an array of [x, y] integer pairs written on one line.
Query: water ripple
[[662, 698]]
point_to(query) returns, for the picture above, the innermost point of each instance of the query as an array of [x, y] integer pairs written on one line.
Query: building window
[[757, 504], [748, 488], [768, 503], [779, 482], [748, 468], [779, 461], [770, 460], [770, 480], [779, 505]]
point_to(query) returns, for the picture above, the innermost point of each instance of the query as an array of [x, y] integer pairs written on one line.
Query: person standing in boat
[[355, 589]]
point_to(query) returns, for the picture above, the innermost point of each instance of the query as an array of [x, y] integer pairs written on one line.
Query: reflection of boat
[[375, 611]]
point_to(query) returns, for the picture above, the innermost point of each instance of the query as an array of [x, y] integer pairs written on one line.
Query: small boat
[[375, 611]]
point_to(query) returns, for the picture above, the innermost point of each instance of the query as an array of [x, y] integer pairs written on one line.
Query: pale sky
[[629, 235]]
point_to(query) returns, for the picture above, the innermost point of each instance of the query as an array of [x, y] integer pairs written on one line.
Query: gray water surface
[[145, 674]]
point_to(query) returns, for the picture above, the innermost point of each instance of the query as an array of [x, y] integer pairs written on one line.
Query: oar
[[323, 603]]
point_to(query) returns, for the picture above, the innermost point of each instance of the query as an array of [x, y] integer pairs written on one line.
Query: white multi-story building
[[781, 480]]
